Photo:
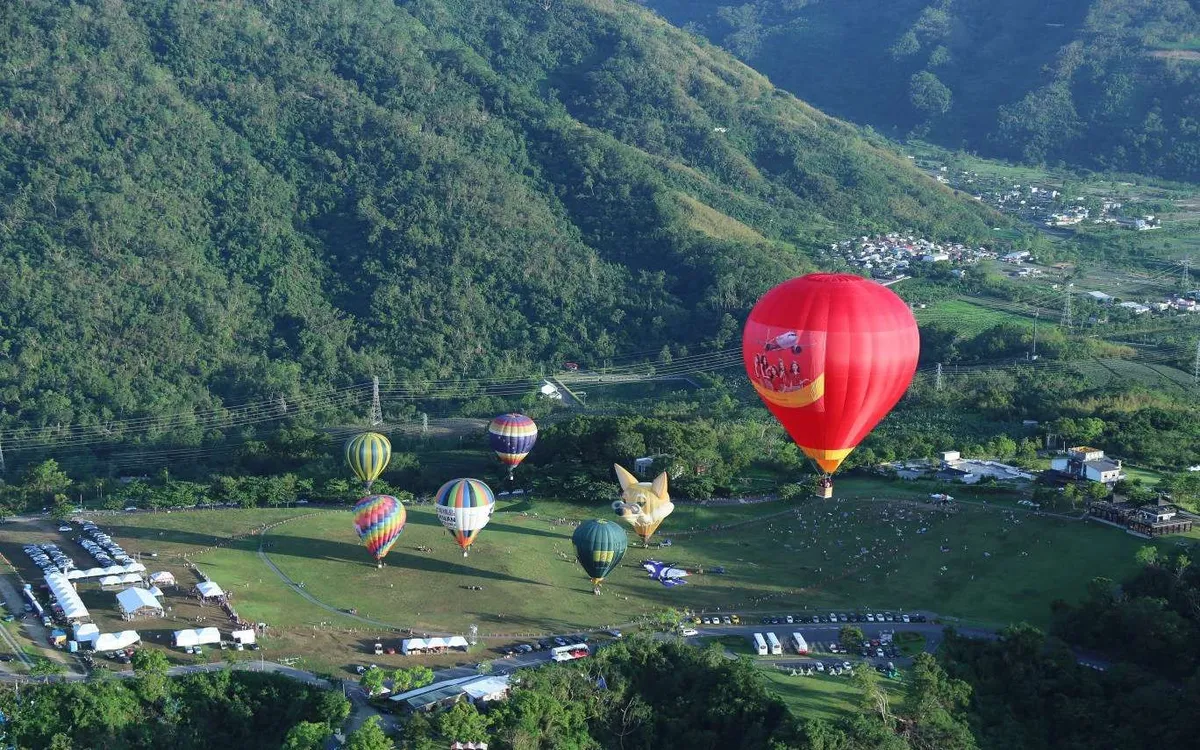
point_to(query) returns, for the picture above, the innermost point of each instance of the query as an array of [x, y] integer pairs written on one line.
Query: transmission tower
[[1187, 274], [1033, 352], [424, 423], [1, 458], [376, 416], [1195, 379], [1066, 315], [282, 405], [937, 379]]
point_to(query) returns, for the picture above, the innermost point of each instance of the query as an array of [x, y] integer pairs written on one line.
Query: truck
[[800, 644]]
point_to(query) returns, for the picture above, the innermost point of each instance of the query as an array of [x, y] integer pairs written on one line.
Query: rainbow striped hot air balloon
[[368, 454], [464, 506], [379, 519], [599, 547], [512, 437]]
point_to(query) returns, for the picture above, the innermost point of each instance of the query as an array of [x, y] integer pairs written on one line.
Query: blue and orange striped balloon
[[512, 437], [379, 519], [464, 506]]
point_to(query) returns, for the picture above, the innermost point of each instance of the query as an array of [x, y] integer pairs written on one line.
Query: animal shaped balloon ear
[[644, 504]]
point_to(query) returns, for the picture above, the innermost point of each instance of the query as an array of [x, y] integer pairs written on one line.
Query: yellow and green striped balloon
[[368, 454]]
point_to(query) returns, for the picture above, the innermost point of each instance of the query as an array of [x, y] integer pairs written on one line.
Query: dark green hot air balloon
[[599, 546]]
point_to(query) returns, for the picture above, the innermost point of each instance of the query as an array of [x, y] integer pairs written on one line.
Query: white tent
[[68, 599], [87, 633], [116, 641], [185, 638], [418, 645], [110, 581], [155, 591], [243, 636], [134, 600], [111, 570], [162, 578], [209, 590], [121, 579], [134, 567]]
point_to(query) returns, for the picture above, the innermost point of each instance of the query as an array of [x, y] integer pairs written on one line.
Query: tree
[[463, 723], [333, 708], [417, 733], [43, 667], [307, 735], [929, 95], [370, 736], [150, 668], [1147, 556], [372, 680], [411, 678], [851, 637], [45, 480], [61, 741], [874, 697], [62, 509]]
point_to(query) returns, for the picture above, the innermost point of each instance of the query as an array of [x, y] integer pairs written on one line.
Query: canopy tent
[[209, 590], [162, 578], [116, 641], [111, 570], [134, 601], [185, 638], [66, 596], [242, 636], [87, 633], [120, 580], [155, 591], [418, 645]]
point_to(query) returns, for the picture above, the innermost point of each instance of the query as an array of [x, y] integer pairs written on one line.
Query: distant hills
[[207, 203], [1097, 84]]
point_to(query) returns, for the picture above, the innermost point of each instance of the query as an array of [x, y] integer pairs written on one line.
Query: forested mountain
[[211, 202], [1099, 84]]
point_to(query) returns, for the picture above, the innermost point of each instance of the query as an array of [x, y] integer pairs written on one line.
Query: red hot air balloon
[[830, 355]]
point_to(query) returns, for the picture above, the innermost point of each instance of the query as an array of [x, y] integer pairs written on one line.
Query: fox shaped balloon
[[644, 505]]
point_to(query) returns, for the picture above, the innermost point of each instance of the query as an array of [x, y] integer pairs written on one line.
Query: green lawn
[[1001, 567], [821, 697], [909, 642]]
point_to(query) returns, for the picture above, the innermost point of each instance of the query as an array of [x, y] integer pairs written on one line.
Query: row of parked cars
[[102, 547], [726, 620], [49, 558], [549, 643], [842, 617]]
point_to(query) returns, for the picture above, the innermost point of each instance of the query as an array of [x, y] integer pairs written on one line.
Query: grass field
[[1000, 566], [821, 697], [966, 317]]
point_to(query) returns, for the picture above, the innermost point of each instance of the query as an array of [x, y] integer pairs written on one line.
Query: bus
[[760, 645], [799, 644], [567, 653], [773, 642]]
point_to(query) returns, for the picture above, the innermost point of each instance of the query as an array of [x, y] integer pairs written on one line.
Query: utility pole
[[376, 416], [1066, 316], [937, 379]]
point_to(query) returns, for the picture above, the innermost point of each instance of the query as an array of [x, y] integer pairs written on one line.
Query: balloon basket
[[824, 492], [595, 591], [464, 553], [379, 565]]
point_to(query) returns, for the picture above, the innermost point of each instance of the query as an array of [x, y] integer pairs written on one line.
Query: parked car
[[790, 620], [736, 620], [842, 618], [905, 618], [728, 621], [614, 633], [688, 632]]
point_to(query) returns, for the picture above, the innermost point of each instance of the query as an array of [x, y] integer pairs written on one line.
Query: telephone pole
[[937, 379], [376, 416]]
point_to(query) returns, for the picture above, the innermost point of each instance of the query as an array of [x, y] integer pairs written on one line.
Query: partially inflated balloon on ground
[[379, 519], [830, 355], [599, 547], [464, 506]]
